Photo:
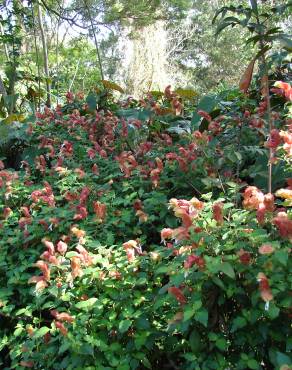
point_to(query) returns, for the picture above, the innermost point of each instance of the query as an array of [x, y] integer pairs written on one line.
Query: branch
[[70, 20]]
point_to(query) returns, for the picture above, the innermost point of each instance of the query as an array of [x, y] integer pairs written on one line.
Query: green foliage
[[77, 58], [122, 292]]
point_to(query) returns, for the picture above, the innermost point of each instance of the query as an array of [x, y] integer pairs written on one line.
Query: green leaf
[[134, 113], [85, 304], [286, 42], [227, 269], [238, 323], [282, 257], [207, 104], [238, 156], [289, 344], [273, 311], [18, 331], [146, 362], [189, 313], [41, 332], [91, 100], [222, 25], [124, 325], [141, 356], [202, 317], [221, 344], [195, 341], [72, 254], [252, 364], [282, 359]]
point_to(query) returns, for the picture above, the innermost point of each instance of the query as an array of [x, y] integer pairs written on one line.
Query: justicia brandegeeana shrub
[[126, 247]]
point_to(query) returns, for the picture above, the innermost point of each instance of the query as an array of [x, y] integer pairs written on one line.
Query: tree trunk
[[5, 46], [2, 88], [45, 53], [147, 69]]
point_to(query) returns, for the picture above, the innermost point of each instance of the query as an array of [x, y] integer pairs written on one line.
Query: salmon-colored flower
[[70, 97], [261, 212], [264, 286], [130, 244], [287, 138], [47, 338], [94, 169], [49, 245], [166, 234], [127, 163], [168, 93], [244, 257], [76, 267], [132, 248], [285, 89], [181, 233], [50, 258], [275, 139], [81, 213], [194, 260], [283, 224], [269, 202], [67, 149], [205, 115], [253, 197], [44, 268], [100, 211], [284, 193], [218, 213], [40, 281], [62, 247], [91, 153], [142, 216], [77, 232], [63, 316], [61, 328], [79, 172], [266, 249], [24, 221], [115, 275], [84, 195], [196, 203], [84, 255], [138, 206], [7, 212]]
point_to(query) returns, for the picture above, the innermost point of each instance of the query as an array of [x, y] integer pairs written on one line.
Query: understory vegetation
[[152, 232]]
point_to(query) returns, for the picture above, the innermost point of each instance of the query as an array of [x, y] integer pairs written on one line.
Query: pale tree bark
[[2, 88], [5, 46], [45, 54], [148, 65]]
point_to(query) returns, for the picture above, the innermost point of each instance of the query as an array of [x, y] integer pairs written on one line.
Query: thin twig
[[75, 73], [37, 56], [95, 41]]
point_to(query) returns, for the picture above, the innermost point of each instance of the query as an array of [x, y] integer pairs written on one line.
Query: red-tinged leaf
[[178, 294], [246, 78], [27, 364]]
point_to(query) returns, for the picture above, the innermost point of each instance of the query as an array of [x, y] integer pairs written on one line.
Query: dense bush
[[136, 236]]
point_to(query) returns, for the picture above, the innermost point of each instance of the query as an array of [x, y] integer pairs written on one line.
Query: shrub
[[126, 246]]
